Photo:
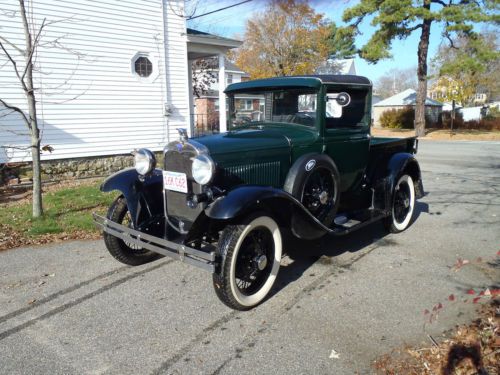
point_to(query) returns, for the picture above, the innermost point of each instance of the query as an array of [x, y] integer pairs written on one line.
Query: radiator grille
[[267, 173]]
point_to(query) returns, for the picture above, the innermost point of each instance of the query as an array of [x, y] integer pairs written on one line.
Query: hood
[[256, 138]]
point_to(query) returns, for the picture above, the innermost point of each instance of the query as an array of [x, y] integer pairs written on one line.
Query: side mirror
[[342, 98], [335, 102]]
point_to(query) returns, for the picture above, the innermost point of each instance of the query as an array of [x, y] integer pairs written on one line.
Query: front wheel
[[403, 204], [250, 256], [121, 250]]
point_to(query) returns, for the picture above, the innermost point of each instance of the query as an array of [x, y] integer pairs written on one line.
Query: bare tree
[[22, 60], [396, 80], [24, 75]]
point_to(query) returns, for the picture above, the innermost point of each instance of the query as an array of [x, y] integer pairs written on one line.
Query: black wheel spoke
[[258, 243], [318, 195]]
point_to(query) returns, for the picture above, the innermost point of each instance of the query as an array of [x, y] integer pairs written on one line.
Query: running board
[[358, 221]]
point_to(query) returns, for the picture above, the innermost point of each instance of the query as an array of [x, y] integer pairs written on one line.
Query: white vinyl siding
[[91, 103]]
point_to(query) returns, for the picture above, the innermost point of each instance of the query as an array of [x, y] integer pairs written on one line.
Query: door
[[347, 132]]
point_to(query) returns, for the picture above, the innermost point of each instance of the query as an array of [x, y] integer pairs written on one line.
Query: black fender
[[282, 206], [144, 194], [384, 178], [404, 162], [299, 172]]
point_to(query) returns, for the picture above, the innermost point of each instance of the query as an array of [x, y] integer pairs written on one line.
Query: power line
[[218, 10]]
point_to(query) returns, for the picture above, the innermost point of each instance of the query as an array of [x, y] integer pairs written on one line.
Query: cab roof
[[311, 81]]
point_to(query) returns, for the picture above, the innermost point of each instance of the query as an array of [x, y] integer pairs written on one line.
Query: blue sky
[[231, 23]]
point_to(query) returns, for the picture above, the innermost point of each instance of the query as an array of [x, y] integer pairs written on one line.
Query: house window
[[143, 66], [216, 105], [247, 104], [229, 79]]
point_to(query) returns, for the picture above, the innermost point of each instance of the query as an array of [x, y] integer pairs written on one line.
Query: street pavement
[[338, 303]]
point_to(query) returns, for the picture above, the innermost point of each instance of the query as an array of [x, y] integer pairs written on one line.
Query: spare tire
[[315, 181]]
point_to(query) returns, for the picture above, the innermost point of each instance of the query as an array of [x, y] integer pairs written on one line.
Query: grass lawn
[[68, 214]]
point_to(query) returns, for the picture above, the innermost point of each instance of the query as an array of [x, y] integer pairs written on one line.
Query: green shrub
[[398, 118]]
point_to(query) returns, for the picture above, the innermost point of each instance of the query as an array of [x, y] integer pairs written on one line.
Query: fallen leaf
[[451, 297], [476, 300], [31, 302], [471, 291], [334, 355]]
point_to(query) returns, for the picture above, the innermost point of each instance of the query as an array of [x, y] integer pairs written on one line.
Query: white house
[[338, 66], [404, 99], [111, 76]]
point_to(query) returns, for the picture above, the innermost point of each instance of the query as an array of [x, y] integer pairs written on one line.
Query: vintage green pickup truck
[[297, 159]]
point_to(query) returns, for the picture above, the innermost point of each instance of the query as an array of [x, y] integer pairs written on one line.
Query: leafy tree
[[396, 80], [286, 38], [400, 18], [469, 66]]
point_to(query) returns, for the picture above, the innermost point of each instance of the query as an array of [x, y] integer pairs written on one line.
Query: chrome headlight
[[144, 161], [203, 169]]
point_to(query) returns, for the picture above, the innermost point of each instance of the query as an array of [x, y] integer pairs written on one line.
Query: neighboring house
[[337, 66], [438, 92], [111, 76], [405, 99], [206, 106]]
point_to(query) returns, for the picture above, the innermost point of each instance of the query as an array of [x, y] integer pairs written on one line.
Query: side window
[[350, 115]]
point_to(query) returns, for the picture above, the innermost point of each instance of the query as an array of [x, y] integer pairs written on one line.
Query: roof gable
[[407, 97]]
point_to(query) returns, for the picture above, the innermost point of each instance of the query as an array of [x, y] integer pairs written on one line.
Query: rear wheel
[[121, 250], [250, 257], [403, 204]]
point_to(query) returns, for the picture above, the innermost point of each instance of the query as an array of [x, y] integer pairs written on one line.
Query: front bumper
[[178, 251]]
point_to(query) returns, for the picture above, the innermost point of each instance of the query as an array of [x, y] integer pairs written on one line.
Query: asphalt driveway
[[70, 308]]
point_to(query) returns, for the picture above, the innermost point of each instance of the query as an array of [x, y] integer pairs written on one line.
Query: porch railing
[[205, 123]]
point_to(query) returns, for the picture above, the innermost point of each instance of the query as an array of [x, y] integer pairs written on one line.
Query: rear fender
[[404, 162], [144, 195], [385, 174], [283, 207]]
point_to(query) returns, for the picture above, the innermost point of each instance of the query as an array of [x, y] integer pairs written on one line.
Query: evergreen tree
[[400, 18]]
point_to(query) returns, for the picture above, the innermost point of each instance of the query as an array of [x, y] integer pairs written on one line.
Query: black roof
[[339, 78], [314, 81]]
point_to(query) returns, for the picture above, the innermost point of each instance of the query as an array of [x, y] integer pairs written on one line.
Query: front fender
[[144, 196], [285, 208]]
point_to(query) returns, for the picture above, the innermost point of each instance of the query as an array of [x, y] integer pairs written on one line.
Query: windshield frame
[[232, 111]]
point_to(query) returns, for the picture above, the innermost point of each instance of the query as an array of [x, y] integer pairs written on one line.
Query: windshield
[[291, 106]]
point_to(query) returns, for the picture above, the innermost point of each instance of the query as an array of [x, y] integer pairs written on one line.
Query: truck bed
[[377, 144]]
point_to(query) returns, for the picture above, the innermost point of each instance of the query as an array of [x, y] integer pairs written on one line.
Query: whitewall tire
[[403, 204], [250, 256]]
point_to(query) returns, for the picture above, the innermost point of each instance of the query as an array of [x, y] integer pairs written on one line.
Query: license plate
[[175, 181]]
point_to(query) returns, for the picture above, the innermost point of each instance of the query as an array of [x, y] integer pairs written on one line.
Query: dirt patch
[[472, 349], [440, 135]]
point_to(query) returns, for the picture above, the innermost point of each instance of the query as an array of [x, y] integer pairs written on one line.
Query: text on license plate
[[175, 181]]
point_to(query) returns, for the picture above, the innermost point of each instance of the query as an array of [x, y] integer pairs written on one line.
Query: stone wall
[[63, 169]]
